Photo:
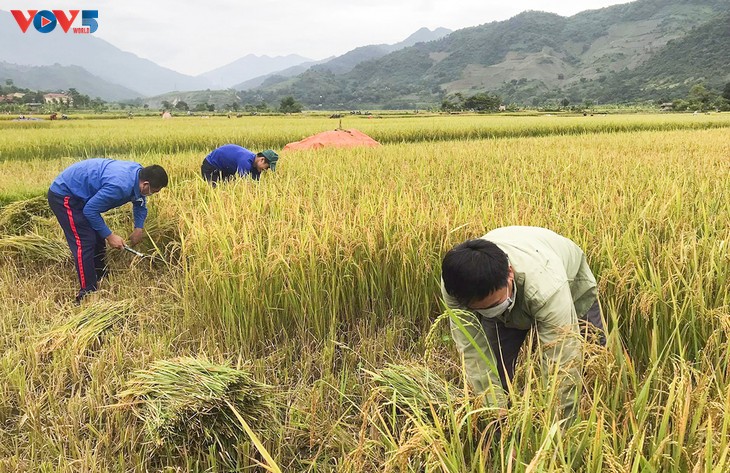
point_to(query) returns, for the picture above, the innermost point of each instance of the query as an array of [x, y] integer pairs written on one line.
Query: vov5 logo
[[46, 21]]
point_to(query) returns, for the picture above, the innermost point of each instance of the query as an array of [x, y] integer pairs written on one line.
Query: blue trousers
[[88, 248], [212, 174]]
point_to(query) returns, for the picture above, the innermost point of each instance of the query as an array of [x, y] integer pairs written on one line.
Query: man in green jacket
[[509, 281]]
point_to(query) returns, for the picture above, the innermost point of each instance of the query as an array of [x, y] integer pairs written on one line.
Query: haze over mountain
[[57, 78], [135, 75], [93, 54], [249, 67], [280, 75]]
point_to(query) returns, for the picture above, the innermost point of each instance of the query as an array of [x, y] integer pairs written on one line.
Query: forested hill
[[623, 52], [703, 56]]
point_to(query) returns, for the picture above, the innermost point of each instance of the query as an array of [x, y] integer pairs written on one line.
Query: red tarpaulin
[[334, 139]]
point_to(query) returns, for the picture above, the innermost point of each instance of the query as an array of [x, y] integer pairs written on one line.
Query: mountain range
[[117, 74], [346, 62], [58, 77], [647, 49], [99, 58], [618, 53]]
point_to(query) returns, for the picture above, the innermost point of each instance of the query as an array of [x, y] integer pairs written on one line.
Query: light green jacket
[[555, 287]]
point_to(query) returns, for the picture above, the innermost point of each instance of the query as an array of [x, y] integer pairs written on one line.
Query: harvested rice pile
[[17, 217], [32, 247], [85, 329], [185, 402]]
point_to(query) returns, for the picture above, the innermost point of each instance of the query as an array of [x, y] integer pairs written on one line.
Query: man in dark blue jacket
[[83, 191], [229, 161]]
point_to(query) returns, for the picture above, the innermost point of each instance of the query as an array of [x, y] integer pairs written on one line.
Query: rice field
[[294, 324]]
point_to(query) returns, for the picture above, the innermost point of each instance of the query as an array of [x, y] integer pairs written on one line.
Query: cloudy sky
[[194, 37]]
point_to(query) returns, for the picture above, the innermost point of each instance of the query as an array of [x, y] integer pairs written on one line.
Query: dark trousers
[[212, 174], [88, 248], [506, 342]]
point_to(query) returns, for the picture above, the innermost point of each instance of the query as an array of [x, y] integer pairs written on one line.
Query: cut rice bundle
[[85, 329], [17, 217], [32, 247], [186, 402]]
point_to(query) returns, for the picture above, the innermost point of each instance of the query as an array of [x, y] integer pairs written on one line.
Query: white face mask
[[502, 307]]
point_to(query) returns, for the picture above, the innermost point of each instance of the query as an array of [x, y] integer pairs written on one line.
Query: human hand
[[115, 241], [136, 237]]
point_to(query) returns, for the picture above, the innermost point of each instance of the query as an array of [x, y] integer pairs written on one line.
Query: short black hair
[[155, 175], [473, 270]]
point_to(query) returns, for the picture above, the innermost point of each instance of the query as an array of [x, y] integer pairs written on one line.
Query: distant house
[[58, 98], [10, 98], [502, 108], [666, 107]]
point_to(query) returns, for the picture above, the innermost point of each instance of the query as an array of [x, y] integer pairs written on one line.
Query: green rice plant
[[33, 248], [186, 403], [17, 217]]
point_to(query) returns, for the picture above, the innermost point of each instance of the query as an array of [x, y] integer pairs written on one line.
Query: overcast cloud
[[195, 37]]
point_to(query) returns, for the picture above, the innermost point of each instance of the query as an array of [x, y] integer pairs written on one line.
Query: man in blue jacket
[[228, 161], [83, 191]]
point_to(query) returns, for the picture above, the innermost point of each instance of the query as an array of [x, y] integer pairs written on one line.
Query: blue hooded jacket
[[233, 159], [103, 184]]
